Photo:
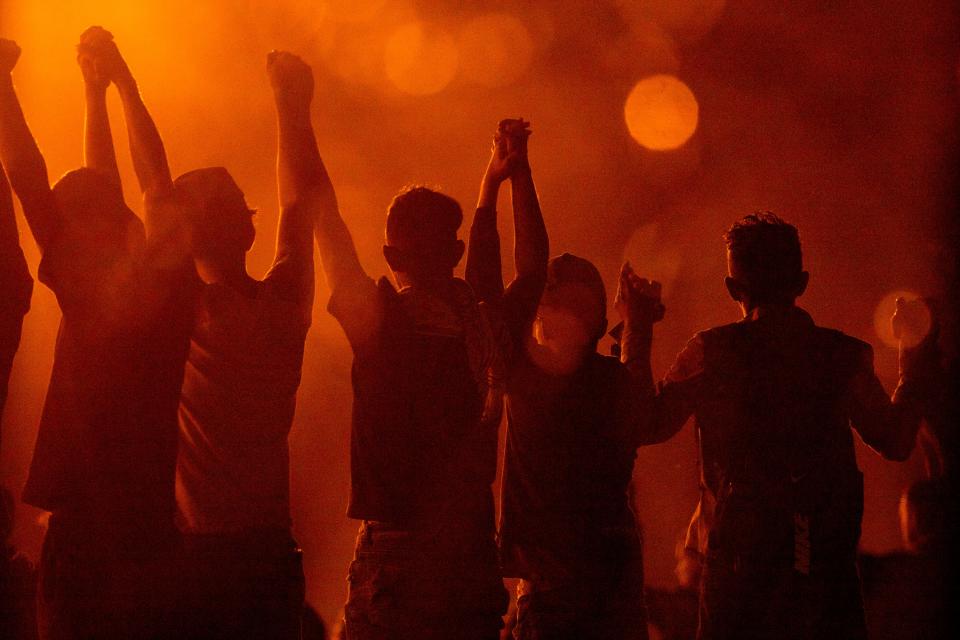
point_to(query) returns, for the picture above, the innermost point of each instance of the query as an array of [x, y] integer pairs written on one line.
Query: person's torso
[[775, 439], [419, 449], [106, 443], [236, 409], [568, 464]]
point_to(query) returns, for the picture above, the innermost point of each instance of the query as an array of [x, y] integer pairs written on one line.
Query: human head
[[572, 315], [764, 261], [221, 224], [422, 242], [92, 207]]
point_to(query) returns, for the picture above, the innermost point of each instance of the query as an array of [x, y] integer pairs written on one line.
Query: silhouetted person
[[774, 397], [106, 447], [574, 421], [427, 403], [241, 380]]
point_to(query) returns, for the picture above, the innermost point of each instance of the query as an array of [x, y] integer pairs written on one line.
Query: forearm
[[146, 145], [532, 247], [483, 269], [24, 163], [300, 169], [98, 151], [341, 265]]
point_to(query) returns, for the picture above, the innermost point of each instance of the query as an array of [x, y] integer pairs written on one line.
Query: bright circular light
[[661, 112], [495, 49], [420, 58], [882, 325]]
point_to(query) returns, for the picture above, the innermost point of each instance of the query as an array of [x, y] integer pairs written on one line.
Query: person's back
[[427, 401], [236, 409], [243, 567], [419, 452], [774, 397]]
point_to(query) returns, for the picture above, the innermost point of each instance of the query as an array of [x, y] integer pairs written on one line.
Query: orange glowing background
[[844, 122]]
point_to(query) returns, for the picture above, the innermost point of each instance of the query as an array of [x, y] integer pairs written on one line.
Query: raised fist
[[9, 54], [291, 78], [638, 299]]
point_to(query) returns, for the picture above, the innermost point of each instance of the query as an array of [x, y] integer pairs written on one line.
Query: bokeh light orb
[[918, 316], [495, 50], [661, 112], [421, 58]]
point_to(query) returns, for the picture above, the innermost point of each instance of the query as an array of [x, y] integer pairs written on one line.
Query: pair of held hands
[[101, 63]]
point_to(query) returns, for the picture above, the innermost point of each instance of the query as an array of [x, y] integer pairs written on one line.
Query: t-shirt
[[106, 445], [568, 463], [421, 451], [237, 407]]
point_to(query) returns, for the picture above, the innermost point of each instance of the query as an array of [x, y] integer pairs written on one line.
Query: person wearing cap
[[244, 568], [574, 421], [103, 463]]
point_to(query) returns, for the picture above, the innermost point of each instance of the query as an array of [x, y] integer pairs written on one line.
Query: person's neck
[[437, 284], [752, 309], [232, 274]]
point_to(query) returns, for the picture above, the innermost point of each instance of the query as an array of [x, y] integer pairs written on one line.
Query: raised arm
[[98, 151], [532, 248], [307, 199], [656, 416], [484, 271], [890, 425], [520, 299], [146, 146], [21, 157]]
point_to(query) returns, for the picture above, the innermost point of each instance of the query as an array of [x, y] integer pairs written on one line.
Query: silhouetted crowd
[[162, 451]]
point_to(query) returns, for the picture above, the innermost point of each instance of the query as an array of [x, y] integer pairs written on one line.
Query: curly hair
[[766, 250]]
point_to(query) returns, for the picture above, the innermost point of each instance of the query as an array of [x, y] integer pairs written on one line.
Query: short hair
[[767, 250], [419, 216]]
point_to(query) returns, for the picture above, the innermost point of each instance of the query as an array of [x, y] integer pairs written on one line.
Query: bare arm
[[21, 157], [98, 151], [532, 247], [146, 145], [307, 197], [484, 271], [657, 416]]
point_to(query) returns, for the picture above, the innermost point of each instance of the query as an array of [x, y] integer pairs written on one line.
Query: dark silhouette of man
[[427, 383], [106, 447], [574, 421], [239, 393], [774, 397]]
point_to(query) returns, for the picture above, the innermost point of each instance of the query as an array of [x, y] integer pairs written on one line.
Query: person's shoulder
[[840, 342]]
